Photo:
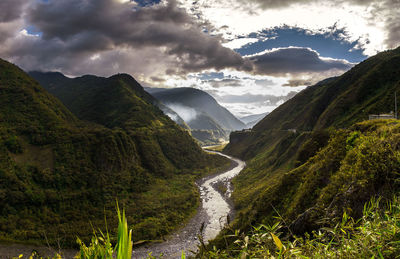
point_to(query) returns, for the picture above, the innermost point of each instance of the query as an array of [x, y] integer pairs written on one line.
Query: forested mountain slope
[[308, 161], [368, 88], [60, 175]]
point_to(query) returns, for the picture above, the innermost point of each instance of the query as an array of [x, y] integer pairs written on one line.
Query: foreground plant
[[375, 235], [101, 247]]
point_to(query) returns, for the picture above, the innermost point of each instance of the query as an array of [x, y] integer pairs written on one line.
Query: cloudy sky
[[251, 55]]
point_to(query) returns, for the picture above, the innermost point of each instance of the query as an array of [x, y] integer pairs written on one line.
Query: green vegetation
[[60, 175], [101, 247], [354, 166], [210, 137], [121, 101], [339, 102], [375, 235], [218, 148], [309, 161]]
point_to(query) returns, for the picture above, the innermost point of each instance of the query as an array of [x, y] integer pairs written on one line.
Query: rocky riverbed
[[215, 192]]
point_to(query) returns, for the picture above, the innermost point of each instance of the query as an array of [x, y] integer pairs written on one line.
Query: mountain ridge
[[60, 175], [209, 122], [319, 106], [308, 143]]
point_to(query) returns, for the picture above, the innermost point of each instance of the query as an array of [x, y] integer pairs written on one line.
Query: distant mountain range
[[209, 122], [252, 120]]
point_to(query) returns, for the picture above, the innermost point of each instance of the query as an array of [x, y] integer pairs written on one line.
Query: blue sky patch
[[327, 44], [211, 75], [143, 3], [32, 30]]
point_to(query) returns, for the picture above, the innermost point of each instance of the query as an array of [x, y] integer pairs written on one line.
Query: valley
[[70, 151], [226, 129], [317, 158], [114, 145], [210, 218], [207, 121]]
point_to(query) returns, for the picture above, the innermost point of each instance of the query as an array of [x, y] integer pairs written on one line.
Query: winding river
[[215, 193]]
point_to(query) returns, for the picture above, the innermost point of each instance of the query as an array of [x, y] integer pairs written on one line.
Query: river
[[213, 211]]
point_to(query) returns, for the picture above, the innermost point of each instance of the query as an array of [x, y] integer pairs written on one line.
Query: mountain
[[64, 164], [209, 122], [202, 102], [172, 114], [343, 197], [339, 102], [252, 120], [313, 157], [115, 101]]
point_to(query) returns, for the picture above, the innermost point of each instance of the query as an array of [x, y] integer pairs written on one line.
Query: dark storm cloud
[[99, 25], [393, 39], [295, 60], [390, 10], [105, 37], [157, 79], [10, 10]]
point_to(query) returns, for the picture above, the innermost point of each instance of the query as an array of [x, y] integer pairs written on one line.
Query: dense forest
[[64, 165]]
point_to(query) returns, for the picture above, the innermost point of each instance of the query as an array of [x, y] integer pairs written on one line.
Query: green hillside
[[345, 198], [338, 102], [117, 101], [307, 161], [121, 102], [60, 173]]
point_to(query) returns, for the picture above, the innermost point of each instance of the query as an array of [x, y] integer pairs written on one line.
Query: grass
[[218, 148], [375, 235], [101, 247], [355, 165]]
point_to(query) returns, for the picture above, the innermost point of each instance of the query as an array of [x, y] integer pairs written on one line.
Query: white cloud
[[365, 23], [238, 83], [105, 46], [186, 113], [240, 42]]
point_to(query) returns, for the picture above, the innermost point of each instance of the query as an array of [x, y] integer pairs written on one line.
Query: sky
[[251, 55]]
